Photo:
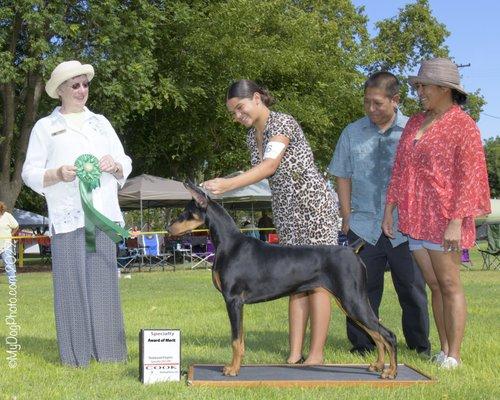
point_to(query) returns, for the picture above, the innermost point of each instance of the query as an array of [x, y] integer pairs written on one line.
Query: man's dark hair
[[383, 80]]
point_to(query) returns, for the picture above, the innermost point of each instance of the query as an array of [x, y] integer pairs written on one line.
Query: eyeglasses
[[76, 86]]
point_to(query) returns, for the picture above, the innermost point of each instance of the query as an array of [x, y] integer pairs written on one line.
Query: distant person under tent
[[265, 222]]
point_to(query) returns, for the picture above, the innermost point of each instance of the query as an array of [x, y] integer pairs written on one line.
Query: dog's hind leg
[[235, 312], [347, 281], [358, 308], [385, 340]]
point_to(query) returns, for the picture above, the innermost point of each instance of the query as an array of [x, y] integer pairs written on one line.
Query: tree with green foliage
[[414, 34], [116, 37], [308, 54], [163, 67], [312, 56], [492, 152]]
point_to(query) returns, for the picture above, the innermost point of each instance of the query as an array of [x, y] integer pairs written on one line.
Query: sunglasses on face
[[76, 86]]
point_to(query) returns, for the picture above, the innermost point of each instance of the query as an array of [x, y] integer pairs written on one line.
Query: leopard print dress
[[304, 207]]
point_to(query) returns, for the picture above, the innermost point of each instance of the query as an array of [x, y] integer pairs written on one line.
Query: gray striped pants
[[89, 320]]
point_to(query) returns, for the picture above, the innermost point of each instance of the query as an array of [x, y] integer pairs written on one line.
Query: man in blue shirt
[[362, 163]]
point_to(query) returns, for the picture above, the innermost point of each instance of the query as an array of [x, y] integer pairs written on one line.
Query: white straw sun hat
[[64, 71]]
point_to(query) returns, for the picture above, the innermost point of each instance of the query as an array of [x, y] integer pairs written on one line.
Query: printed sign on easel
[[159, 355]]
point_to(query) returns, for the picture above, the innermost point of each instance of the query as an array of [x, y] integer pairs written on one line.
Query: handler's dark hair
[[458, 97], [245, 89], [3, 207], [383, 80]]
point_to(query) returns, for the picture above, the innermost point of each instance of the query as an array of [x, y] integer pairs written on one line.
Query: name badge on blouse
[[58, 132]]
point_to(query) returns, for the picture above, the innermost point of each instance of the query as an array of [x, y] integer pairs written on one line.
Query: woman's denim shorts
[[416, 244]]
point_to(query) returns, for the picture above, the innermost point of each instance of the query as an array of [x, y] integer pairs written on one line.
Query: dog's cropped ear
[[198, 195]]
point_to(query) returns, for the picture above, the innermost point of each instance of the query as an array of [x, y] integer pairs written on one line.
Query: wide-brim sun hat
[[64, 71], [439, 72]]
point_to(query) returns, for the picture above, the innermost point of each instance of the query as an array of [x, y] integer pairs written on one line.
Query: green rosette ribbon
[[89, 173]]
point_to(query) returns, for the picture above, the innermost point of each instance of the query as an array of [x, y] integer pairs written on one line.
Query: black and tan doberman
[[247, 270]]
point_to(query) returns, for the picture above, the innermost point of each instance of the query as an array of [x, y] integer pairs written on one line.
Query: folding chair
[[151, 250], [491, 255], [203, 257], [127, 257]]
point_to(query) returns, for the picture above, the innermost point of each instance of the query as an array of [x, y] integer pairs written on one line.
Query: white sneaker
[[439, 358], [450, 363]]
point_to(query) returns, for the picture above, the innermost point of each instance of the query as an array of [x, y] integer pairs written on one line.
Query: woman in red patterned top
[[439, 184]]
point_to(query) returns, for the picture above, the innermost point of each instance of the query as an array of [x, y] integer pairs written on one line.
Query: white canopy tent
[[28, 219], [148, 191]]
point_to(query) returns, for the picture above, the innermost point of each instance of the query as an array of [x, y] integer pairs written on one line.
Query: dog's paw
[[376, 367], [388, 373], [230, 370]]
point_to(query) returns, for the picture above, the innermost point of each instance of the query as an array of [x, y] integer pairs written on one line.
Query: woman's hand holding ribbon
[[66, 173], [107, 164]]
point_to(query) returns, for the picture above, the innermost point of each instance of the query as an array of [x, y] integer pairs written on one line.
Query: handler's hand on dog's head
[[216, 186]]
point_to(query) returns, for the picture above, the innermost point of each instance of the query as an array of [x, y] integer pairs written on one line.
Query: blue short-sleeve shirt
[[365, 155]]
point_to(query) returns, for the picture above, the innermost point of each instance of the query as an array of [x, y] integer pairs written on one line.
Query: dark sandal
[[299, 361]]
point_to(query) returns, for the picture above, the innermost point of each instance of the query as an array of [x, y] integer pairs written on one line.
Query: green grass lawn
[[187, 300]]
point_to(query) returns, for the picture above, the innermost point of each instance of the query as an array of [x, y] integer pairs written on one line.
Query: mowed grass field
[[186, 300]]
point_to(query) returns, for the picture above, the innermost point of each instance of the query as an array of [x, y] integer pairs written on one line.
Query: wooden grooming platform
[[302, 375]]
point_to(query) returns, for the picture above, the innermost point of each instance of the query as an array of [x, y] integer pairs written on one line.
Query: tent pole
[[138, 242], [140, 200]]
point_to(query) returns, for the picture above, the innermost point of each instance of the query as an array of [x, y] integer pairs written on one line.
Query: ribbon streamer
[[88, 172]]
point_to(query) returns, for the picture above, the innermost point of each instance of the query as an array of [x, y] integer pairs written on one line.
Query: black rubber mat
[[287, 375]]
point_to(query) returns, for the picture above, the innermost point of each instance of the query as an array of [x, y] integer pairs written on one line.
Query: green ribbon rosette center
[[89, 173]]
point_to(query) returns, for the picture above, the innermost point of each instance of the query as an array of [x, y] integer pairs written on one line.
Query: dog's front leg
[[235, 312]]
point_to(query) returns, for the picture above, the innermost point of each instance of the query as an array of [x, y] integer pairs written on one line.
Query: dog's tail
[[357, 245]]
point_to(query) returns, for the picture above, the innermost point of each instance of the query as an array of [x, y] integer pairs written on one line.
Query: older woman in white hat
[[439, 184], [87, 306]]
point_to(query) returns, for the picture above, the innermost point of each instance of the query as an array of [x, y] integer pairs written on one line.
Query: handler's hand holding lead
[[66, 173], [216, 186]]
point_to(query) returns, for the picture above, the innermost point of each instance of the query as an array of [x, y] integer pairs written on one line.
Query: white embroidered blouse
[[54, 143]]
